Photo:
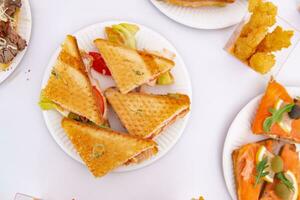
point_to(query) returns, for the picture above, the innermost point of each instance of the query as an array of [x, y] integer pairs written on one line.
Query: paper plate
[[204, 17], [24, 29], [146, 39], [240, 134]]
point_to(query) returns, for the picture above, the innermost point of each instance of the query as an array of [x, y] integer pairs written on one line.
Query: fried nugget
[[252, 4], [263, 15], [255, 45], [276, 40], [262, 62], [246, 46]]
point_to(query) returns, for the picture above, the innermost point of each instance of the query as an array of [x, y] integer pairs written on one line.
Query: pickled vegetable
[[277, 164], [282, 191]]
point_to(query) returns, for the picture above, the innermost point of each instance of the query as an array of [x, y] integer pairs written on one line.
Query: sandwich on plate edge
[[125, 34], [70, 88], [131, 68], [103, 149], [147, 115]]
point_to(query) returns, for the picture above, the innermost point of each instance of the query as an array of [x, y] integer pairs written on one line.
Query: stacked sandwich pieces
[[72, 91]]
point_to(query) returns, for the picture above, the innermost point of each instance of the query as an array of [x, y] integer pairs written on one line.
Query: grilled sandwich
[[70, 90], [103, 150], [244, 164], [147, 115], [131, 68], [199, 3]]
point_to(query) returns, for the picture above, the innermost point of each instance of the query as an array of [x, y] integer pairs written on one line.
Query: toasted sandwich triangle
[[131, 68], [69, 85], [103, 149], [146, 115]]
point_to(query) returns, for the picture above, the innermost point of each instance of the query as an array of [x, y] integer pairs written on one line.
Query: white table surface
[[32, 163]]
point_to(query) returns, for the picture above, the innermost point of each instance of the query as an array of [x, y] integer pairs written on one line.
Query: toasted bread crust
[[145, 155], [146, 115], [70, 47], [199, 3], [173, 120], [102, 149], [131, 68]]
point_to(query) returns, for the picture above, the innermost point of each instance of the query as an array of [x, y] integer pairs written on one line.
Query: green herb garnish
[[137, 111], [285, 181], [137, 72], [276, 116], [260, 170], [103, 126], [54, 73], [98, 150]]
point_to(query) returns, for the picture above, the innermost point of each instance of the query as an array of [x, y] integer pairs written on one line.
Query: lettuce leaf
[[46, 104]]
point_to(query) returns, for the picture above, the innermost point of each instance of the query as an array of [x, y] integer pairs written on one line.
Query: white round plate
[[240, 134], [146, 39], [24, 29], [204, 17]]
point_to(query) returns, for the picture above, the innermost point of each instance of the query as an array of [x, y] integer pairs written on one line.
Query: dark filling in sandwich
[[80, 118], [85, 120], [10, 41]]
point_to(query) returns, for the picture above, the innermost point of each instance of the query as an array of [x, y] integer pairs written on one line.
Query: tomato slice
[[99, 64], [99, 99]]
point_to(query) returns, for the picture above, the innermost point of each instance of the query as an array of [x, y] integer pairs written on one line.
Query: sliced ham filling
[[145, 155], [168, 122]]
